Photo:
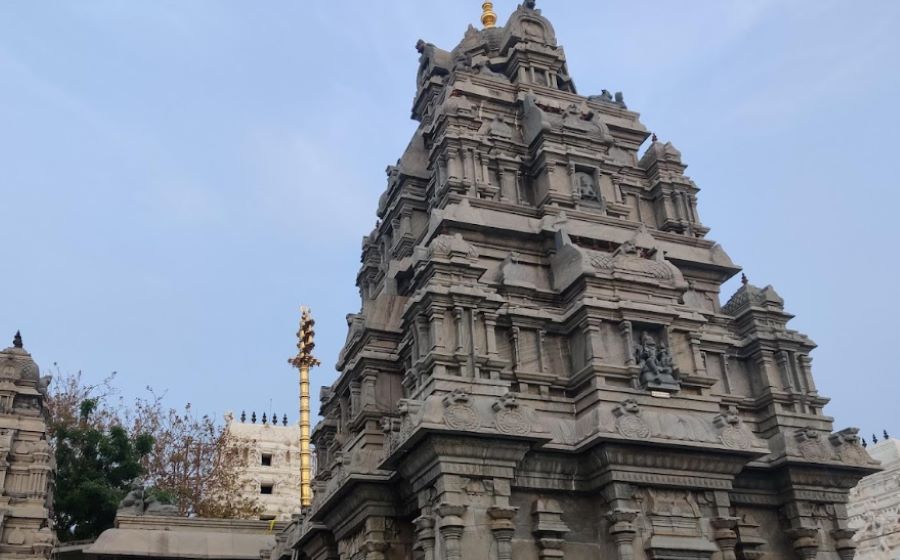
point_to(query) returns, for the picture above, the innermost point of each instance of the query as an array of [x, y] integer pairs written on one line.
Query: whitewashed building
[[273, 472]]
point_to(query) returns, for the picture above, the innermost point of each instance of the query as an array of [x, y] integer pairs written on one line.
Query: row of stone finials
[[265, 419], [875, 438]]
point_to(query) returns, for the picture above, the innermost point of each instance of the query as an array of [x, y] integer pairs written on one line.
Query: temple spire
[[488, 17], [17, 340]]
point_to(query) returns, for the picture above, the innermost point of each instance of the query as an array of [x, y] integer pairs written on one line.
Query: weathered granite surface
[[27, 466], [874, 506], [541, 367]]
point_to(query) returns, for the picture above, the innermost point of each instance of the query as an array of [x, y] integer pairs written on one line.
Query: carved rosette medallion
[[461, 417], [459, 413], [510, 419], [846, 444], [629, 422], [809, 444], [512, 422], [633, 426], [735, 438], [732, 433], [854, 454], [812, 450]]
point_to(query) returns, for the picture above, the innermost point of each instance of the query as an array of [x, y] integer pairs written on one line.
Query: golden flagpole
[[488, 17], [303, 361]]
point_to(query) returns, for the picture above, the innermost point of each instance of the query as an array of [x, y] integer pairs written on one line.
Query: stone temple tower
[[26, 461], [541, 367]]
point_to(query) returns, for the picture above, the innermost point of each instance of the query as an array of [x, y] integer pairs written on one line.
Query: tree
[[192, 459], [195, 460], [94, 468]]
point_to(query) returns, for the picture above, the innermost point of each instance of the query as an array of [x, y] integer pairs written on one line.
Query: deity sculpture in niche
[[657, 367], [586, 187]]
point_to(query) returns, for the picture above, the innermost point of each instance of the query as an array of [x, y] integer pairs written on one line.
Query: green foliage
[[95, 465]]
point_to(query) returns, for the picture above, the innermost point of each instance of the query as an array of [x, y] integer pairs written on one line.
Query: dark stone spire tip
[[17, 340], [744, 279]]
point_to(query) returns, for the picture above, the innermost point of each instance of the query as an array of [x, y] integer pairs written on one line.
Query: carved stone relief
[[459, 413], [509, 417], [629, 422]]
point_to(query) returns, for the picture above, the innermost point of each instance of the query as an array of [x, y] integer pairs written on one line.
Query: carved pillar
[[520, 188], [458, 313], [726, 379], [682, 207], [542, 356], [441, 173], [595, 339], [514, 335], [485, 172], [622, 531], [628, 336], [699, 364], [784, 368], [692, 205], [766, 373], [490, 331], [468, 166], [805, 541], [436, 317], [503, 528], [508, 189], [376, 543], [367, 393], [453, 164], [451, 529], [425, 536], [422, 335], [843, 543], [725, 535], [799, 380], [573, 187], [806, 368], [549, 528], [355, 390]]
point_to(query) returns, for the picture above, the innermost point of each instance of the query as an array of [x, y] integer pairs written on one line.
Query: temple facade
[[27, 466], [541, 367]]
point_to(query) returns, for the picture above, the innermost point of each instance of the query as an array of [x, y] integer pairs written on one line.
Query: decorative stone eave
[[358, 496]]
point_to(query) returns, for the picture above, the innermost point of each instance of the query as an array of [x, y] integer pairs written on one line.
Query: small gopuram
[[541, 367], [271, 477], [875, 505], [26, 461]]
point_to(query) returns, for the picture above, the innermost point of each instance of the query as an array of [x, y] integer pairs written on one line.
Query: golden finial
[[488, 17], [303, 361]]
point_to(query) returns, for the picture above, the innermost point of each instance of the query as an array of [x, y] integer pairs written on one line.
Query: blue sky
[[178, 177]]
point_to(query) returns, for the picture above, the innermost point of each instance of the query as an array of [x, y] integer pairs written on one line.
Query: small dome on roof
[[16, 362]]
